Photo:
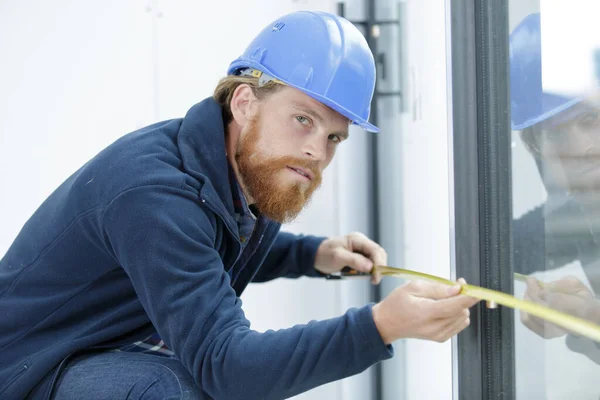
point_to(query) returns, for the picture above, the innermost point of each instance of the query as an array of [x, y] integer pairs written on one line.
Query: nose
[[315, 147]]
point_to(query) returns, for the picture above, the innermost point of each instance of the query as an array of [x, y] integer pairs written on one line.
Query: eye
[[335, 138], [303, 120], [588, 120], [555, 136]]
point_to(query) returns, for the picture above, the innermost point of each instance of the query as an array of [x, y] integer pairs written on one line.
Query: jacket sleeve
[[528, 242], [536, 247], [291, 256], [164, 239], [584, 346]]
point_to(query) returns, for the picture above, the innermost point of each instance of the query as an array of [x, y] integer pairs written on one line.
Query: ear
[[242, 104]]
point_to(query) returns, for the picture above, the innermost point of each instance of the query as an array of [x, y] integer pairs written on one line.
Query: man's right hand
[[568, 295], [423, 310]]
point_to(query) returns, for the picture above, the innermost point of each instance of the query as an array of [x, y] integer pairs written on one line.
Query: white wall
[[427, 171], [69, 87], [415, 191], [77, 75]]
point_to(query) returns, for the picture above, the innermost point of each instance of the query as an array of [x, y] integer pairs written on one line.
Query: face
[[284, 147], [571, 152]]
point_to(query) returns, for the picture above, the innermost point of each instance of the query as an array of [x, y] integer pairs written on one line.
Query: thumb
[[435, 290], [534, 289], [356, 261]]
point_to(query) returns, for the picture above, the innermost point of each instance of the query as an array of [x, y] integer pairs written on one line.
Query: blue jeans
[[122, 375]]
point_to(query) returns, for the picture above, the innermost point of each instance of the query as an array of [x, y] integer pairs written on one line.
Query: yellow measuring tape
[[569, 322], [523, 278]]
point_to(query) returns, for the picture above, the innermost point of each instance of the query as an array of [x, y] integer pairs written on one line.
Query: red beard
[[278, 202]]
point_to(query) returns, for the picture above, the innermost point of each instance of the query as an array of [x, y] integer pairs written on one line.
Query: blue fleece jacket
[[143, 238]]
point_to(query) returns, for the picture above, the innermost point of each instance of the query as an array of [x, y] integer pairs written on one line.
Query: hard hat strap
[[263, 78]]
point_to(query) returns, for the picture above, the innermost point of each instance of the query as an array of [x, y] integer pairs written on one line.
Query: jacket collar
[[202, 144]]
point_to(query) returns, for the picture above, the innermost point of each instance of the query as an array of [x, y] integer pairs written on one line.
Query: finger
[[362, 244], [530, 321], [447, 308], [434, 329], [432, 290], [567, 303], [379, 255], [444, 329], [457, 326], [534, 289], [535, 327], [354, 260], [526, 320], [569, 284], [540, 327], [534, 295], [376, 277], [461, 281]]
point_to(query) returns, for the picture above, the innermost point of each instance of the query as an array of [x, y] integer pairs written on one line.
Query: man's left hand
[[354, 250]]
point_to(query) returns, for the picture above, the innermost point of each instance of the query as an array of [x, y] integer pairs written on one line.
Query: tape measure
[[492, 298]]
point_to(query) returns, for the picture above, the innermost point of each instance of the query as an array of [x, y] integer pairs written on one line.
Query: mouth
[[302, 172]]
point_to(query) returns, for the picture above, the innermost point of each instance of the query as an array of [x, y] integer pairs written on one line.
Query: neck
[[232, 138]]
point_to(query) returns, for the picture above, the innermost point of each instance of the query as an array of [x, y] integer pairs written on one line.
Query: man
[[126, 281], [563, 135]]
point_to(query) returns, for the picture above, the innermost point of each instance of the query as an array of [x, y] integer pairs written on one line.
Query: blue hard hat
[[321, 54], [529, 103]]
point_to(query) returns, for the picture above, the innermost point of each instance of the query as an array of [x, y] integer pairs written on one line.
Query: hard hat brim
[[548, 115], [356, 120]]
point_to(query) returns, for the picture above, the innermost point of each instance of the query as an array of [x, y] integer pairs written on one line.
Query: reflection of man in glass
[[563, 134]]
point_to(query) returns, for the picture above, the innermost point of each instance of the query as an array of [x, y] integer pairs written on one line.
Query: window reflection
[[555, 117]]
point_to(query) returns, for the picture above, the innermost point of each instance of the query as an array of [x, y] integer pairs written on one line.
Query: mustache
[[312, 166], [275, 163]]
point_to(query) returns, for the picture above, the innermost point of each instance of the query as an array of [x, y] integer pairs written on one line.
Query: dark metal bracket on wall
[[372, 32], [482, 181]]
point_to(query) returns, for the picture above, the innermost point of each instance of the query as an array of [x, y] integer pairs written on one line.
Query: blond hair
[[530, 137], [226, 87]]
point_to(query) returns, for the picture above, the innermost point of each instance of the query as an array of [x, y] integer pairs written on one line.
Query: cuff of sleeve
[[309, 253], [371, 334]]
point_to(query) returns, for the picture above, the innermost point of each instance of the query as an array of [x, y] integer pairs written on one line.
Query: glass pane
[[555, 74]]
